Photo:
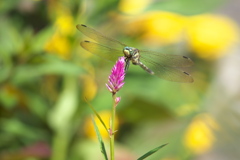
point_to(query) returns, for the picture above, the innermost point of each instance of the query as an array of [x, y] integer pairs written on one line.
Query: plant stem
[[60, 146], [112, 127]]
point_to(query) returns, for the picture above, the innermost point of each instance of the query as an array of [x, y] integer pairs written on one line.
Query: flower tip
[[108, 87], [117, 100], [122, 59]]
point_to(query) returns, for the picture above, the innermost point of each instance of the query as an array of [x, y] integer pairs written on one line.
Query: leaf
[[151, 152], [98, 116], [20, 130], [9, 6], [51, 66], [11, 42], [40, 39], [186, 7], [60, 116], [102, 147]]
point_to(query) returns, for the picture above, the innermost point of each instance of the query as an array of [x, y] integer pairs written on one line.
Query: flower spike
[[116, 78]]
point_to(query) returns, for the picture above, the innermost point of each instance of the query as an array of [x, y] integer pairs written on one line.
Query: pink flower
[[115, 80]]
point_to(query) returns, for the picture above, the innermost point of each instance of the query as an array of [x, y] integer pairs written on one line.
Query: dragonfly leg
[[127, 63]]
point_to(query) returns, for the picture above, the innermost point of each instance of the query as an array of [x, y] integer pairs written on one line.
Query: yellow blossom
[[159, 27], [199, 137], [89, 128], [211, 36], [90, 87], [167, 26], [58, 44], [65, 25], [133, 6]]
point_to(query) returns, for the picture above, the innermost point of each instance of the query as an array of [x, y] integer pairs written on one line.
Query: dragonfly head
[[132, 54], [129, 51]]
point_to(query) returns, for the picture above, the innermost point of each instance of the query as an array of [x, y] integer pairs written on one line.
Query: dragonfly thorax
[[132, 54]]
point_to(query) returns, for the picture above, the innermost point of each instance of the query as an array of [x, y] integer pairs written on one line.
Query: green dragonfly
[[164, 66]]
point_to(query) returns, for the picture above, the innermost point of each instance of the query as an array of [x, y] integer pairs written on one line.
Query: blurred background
[[45, 75]]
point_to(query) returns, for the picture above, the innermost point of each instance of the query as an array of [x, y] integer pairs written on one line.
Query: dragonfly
[[164, 66]]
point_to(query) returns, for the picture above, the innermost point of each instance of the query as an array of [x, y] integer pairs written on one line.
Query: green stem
[[112, 127], [60, 146]]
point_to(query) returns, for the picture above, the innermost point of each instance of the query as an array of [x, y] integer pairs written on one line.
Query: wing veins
[[99, 37], [101, 50], [166, 59], [168, 73]]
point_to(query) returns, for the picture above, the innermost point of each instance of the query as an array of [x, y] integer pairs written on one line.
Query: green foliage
[[151, 152], [186, 7], [97, 115], [102, 146], [43, 82]]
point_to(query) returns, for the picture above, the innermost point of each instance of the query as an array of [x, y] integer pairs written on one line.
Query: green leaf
[[11, 42], [8, 6], [186, 7], [21, 130], [26, 73], [60, 116], [102, 147], [151, 152], [40, 39], [8, 100], [98, 116]]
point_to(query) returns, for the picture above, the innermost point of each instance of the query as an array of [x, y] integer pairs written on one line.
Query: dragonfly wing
[[166, 60], [99, 37], [102, 51], [164, 71]]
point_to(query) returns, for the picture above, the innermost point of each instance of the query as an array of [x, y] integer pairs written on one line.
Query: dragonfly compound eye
[[127, 51]]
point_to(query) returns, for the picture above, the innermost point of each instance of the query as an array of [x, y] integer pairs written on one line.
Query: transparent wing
[[99, 37], [102, 51], [166, 59], [164, 66], [168, 73]]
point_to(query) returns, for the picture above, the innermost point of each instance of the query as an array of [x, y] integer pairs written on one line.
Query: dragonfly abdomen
[[143, 66]]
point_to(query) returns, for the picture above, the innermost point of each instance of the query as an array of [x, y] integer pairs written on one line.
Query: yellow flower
[[65, 25], [89, 128], [211, 36], [133, 6], [167, 26], [159, 27], [199, 137], [90, 87], [60, 45]]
